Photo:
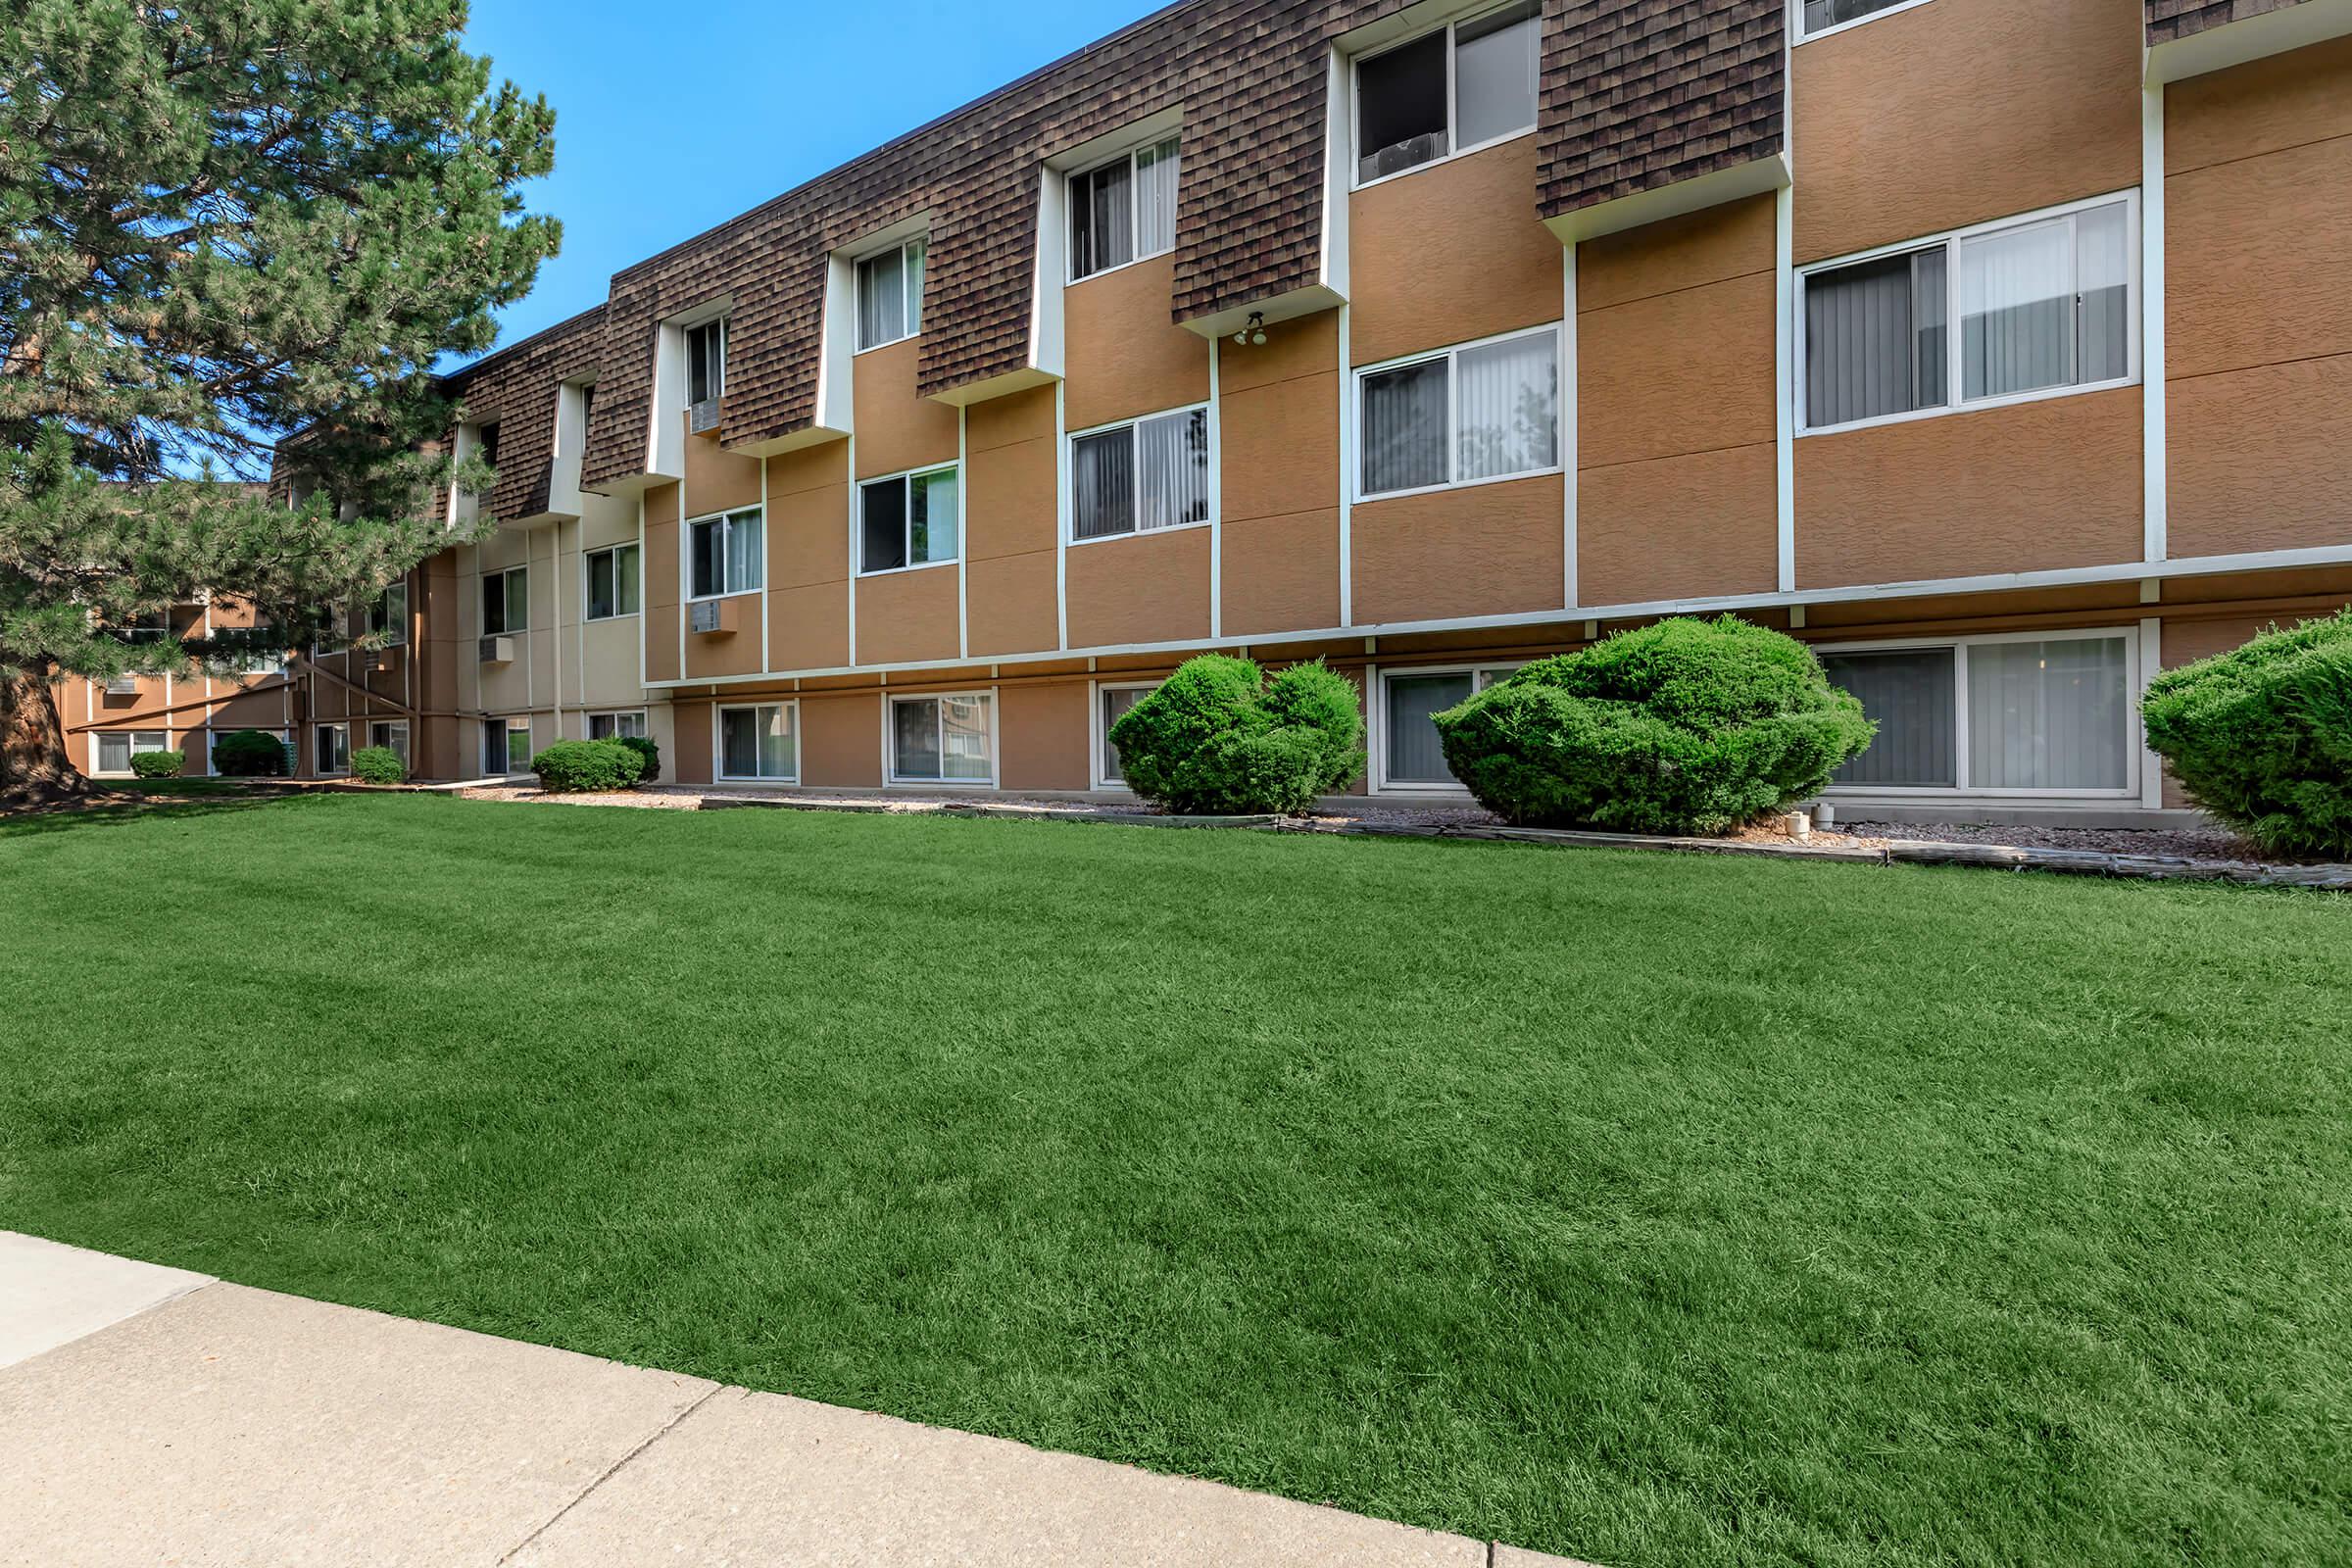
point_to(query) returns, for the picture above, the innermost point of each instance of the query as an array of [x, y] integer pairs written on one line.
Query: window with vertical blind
[[1482, 410], [941, 740], [2047, 714], [613, 582], [1412, 755], [612, 727], [1140, 476], [116, 747], [2017, 308], [1124, 210], [761, 742], [890, 294], [1114, 703]]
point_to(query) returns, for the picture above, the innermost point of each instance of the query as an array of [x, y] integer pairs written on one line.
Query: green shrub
[[2262, 736], [1217, 738], [647, 753], [576, 767], [249, 753], [377, 764], [1684, 727], [159, 765]]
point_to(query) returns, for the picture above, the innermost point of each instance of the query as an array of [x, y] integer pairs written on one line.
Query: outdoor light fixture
[[1255, 331]]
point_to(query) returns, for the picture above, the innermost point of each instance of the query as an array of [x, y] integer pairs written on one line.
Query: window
[[612, 727], [758, 742], [330, 749], [1129, 478], [117, 748], [1821, 15], [1412, 755], [506, 746], [908, 520], [890, 295], [506, 601], [2038, 715], [2040, 306], [388, 617], [940, 740], [706, 360], [613, 582], [1124, 210], [392, 734], [1488, 411], [726, 555], [1116, 702], [1461, 87]]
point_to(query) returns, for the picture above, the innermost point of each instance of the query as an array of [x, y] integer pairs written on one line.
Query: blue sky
[[671, 118]]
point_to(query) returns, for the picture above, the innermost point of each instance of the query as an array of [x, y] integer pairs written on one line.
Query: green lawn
[[1654, 1209]]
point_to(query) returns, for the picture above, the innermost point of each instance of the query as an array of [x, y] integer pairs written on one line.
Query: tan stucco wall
[[1143, 588], [897, 430], [1009, 522], [1123, 354], [1279, 460], [1451, 253], [1042, 731], [1491, 549]]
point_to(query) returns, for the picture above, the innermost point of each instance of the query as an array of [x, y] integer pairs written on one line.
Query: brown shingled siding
[[1641, 94], [516, 388], [2172, 19]]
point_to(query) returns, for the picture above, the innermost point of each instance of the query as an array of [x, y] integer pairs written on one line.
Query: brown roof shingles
[[516, 387], [2170, 21]]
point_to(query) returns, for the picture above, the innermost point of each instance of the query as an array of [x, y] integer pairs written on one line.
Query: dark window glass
[[1404, 428], [1911, 694], [885, 506], [1102, 484], [1400, 107], [1101, 219], [708, 542]]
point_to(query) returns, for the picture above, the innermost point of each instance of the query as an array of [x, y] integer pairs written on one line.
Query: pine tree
[[229, 226]]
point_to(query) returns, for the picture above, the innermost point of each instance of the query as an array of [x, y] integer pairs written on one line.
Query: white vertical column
[[1784, 412], [2154, 468], [1569, 432]]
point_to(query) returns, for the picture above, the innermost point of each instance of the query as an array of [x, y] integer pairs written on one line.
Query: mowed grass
[[1654, 1209]]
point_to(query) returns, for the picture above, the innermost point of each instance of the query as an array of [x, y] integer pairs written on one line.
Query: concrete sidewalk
[[152, 1416]]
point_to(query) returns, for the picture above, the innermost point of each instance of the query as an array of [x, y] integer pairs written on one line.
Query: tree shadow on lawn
[[115, 807]]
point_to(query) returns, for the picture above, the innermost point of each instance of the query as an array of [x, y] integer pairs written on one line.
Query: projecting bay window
[[761, 742], [726, 555], [1141, 476], [1481, 412], [908, 519], [941, 740], [506, 601], [116, 747], [706, 360], [1125, 210], [2038, 714], [890, 295], [1999, 314], [1410, 754], [1464, 87], [613, 582]]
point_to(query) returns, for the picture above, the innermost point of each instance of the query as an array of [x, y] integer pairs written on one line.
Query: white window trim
[[509, 725], [587, 579], [1099, 735], [1355, 99], [1069, 446], [1955, 366], [389, 724], [891, 776], [617, 714], [906, 522], [911, 306], [1796, 20], [712, 315], [686, 591], [501, 573], [1070, 179], [397, 632], [1355, 460], [1376, 724], [341, 772], [718, 748], [2135, 750], [135, 749]]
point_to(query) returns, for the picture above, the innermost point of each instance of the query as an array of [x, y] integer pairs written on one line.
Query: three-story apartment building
[[2001, 349]]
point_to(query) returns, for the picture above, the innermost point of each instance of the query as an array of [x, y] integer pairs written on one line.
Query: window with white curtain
[[725, 555], [1485, 411], [758, 742], [613, 726], [1116, 702], [890, 295], [908, 519], [1124, 210], [1413, 754], [1140, 476], [940, 740], [2006, 311], [1460, 88], [2048, 714], [1822, 15], [116, 747]]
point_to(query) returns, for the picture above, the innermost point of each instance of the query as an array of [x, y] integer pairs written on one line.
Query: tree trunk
[[34, 767]]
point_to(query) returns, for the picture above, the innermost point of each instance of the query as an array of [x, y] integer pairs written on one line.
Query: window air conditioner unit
[[122, 686], [705, 616], [1411, 154], [702, 418], [498, 651]]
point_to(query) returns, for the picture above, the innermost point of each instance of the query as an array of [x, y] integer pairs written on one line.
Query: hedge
[[1218, 738], [377, 764], [648, 752], [249, 753], [159, 765], [1684, 727], [2262, 736], [576, 767]]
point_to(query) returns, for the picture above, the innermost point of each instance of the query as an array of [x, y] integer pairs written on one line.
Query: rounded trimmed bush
[[159, 765], [2262, 736], [1219, 739], [647, 752], [1683, 726], [579, 767], [249, 753], [377, 764]]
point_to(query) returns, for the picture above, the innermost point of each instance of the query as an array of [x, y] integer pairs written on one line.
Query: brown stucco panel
[[809, 628], [1010, 604], [1144, 588], [1042, 730], [1451, 253], [841, 739], [1681, 527], [1282, 573], [2261, 458], [897, 428], [1675, 373], [907, 616], [1491, 549], [1123, 356], [2258, 260], [1008, 504]]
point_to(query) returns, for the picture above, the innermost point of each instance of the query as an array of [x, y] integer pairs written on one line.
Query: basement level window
[[1464, 87]]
